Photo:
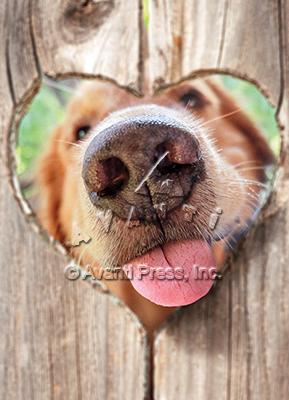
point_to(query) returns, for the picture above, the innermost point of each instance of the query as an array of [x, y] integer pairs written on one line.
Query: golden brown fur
[[64, 208]]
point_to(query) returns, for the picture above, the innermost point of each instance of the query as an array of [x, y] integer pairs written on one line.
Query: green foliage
[[257, 107], [43, 115]]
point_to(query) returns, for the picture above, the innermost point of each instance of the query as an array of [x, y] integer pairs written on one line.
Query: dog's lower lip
[[149, 247], [209, 239]]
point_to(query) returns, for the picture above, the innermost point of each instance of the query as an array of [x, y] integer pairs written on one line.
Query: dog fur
[[236, 154]]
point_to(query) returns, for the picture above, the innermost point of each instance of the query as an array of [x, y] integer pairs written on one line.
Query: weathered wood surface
[[233, 344], [61, 339], [74, 36], [196, 36]]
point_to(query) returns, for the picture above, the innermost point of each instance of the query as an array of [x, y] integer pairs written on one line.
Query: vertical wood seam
[[230, 314], [50, 358], [249, 343], [141, 46], [282, 35], [77, 352], [7, 58], [32, 35], [223, 34], [263, 327]]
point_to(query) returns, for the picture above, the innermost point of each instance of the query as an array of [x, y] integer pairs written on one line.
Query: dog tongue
[[175, 274]]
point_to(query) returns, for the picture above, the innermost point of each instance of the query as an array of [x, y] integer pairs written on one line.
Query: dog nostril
[[179, 158], [106, 178], [116, 175]]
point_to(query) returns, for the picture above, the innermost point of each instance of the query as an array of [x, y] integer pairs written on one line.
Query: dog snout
[[142, 167]]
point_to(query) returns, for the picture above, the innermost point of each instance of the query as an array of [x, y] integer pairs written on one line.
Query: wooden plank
[[187, 347], [189, 37], [58, 339], [234, 343], [61, 339], [100, 38], [251, 43], [180, 34]]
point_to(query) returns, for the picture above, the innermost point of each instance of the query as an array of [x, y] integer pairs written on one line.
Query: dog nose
[[142, 168]]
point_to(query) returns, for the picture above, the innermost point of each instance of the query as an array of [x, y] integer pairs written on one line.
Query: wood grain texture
[[69, 36], [198, 36], [60, 339], [234, 343], [180, 33], [63, 340]]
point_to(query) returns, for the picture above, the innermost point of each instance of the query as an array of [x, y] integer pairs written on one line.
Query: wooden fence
[[62, 340]]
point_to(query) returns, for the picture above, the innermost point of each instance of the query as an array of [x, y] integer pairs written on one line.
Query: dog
[[163, 182]]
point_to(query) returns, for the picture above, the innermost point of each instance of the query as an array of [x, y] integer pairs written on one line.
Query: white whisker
[[221, 117], [151, 171]]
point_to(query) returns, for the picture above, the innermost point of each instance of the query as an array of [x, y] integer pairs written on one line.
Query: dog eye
[[82, 132], [192, 99]]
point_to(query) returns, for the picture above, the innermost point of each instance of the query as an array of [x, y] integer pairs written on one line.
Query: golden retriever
[[166, 182]]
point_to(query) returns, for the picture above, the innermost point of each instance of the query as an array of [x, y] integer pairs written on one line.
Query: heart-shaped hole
[[149, 195]]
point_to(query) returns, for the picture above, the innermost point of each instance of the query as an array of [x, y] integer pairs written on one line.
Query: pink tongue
[[175, 274]]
